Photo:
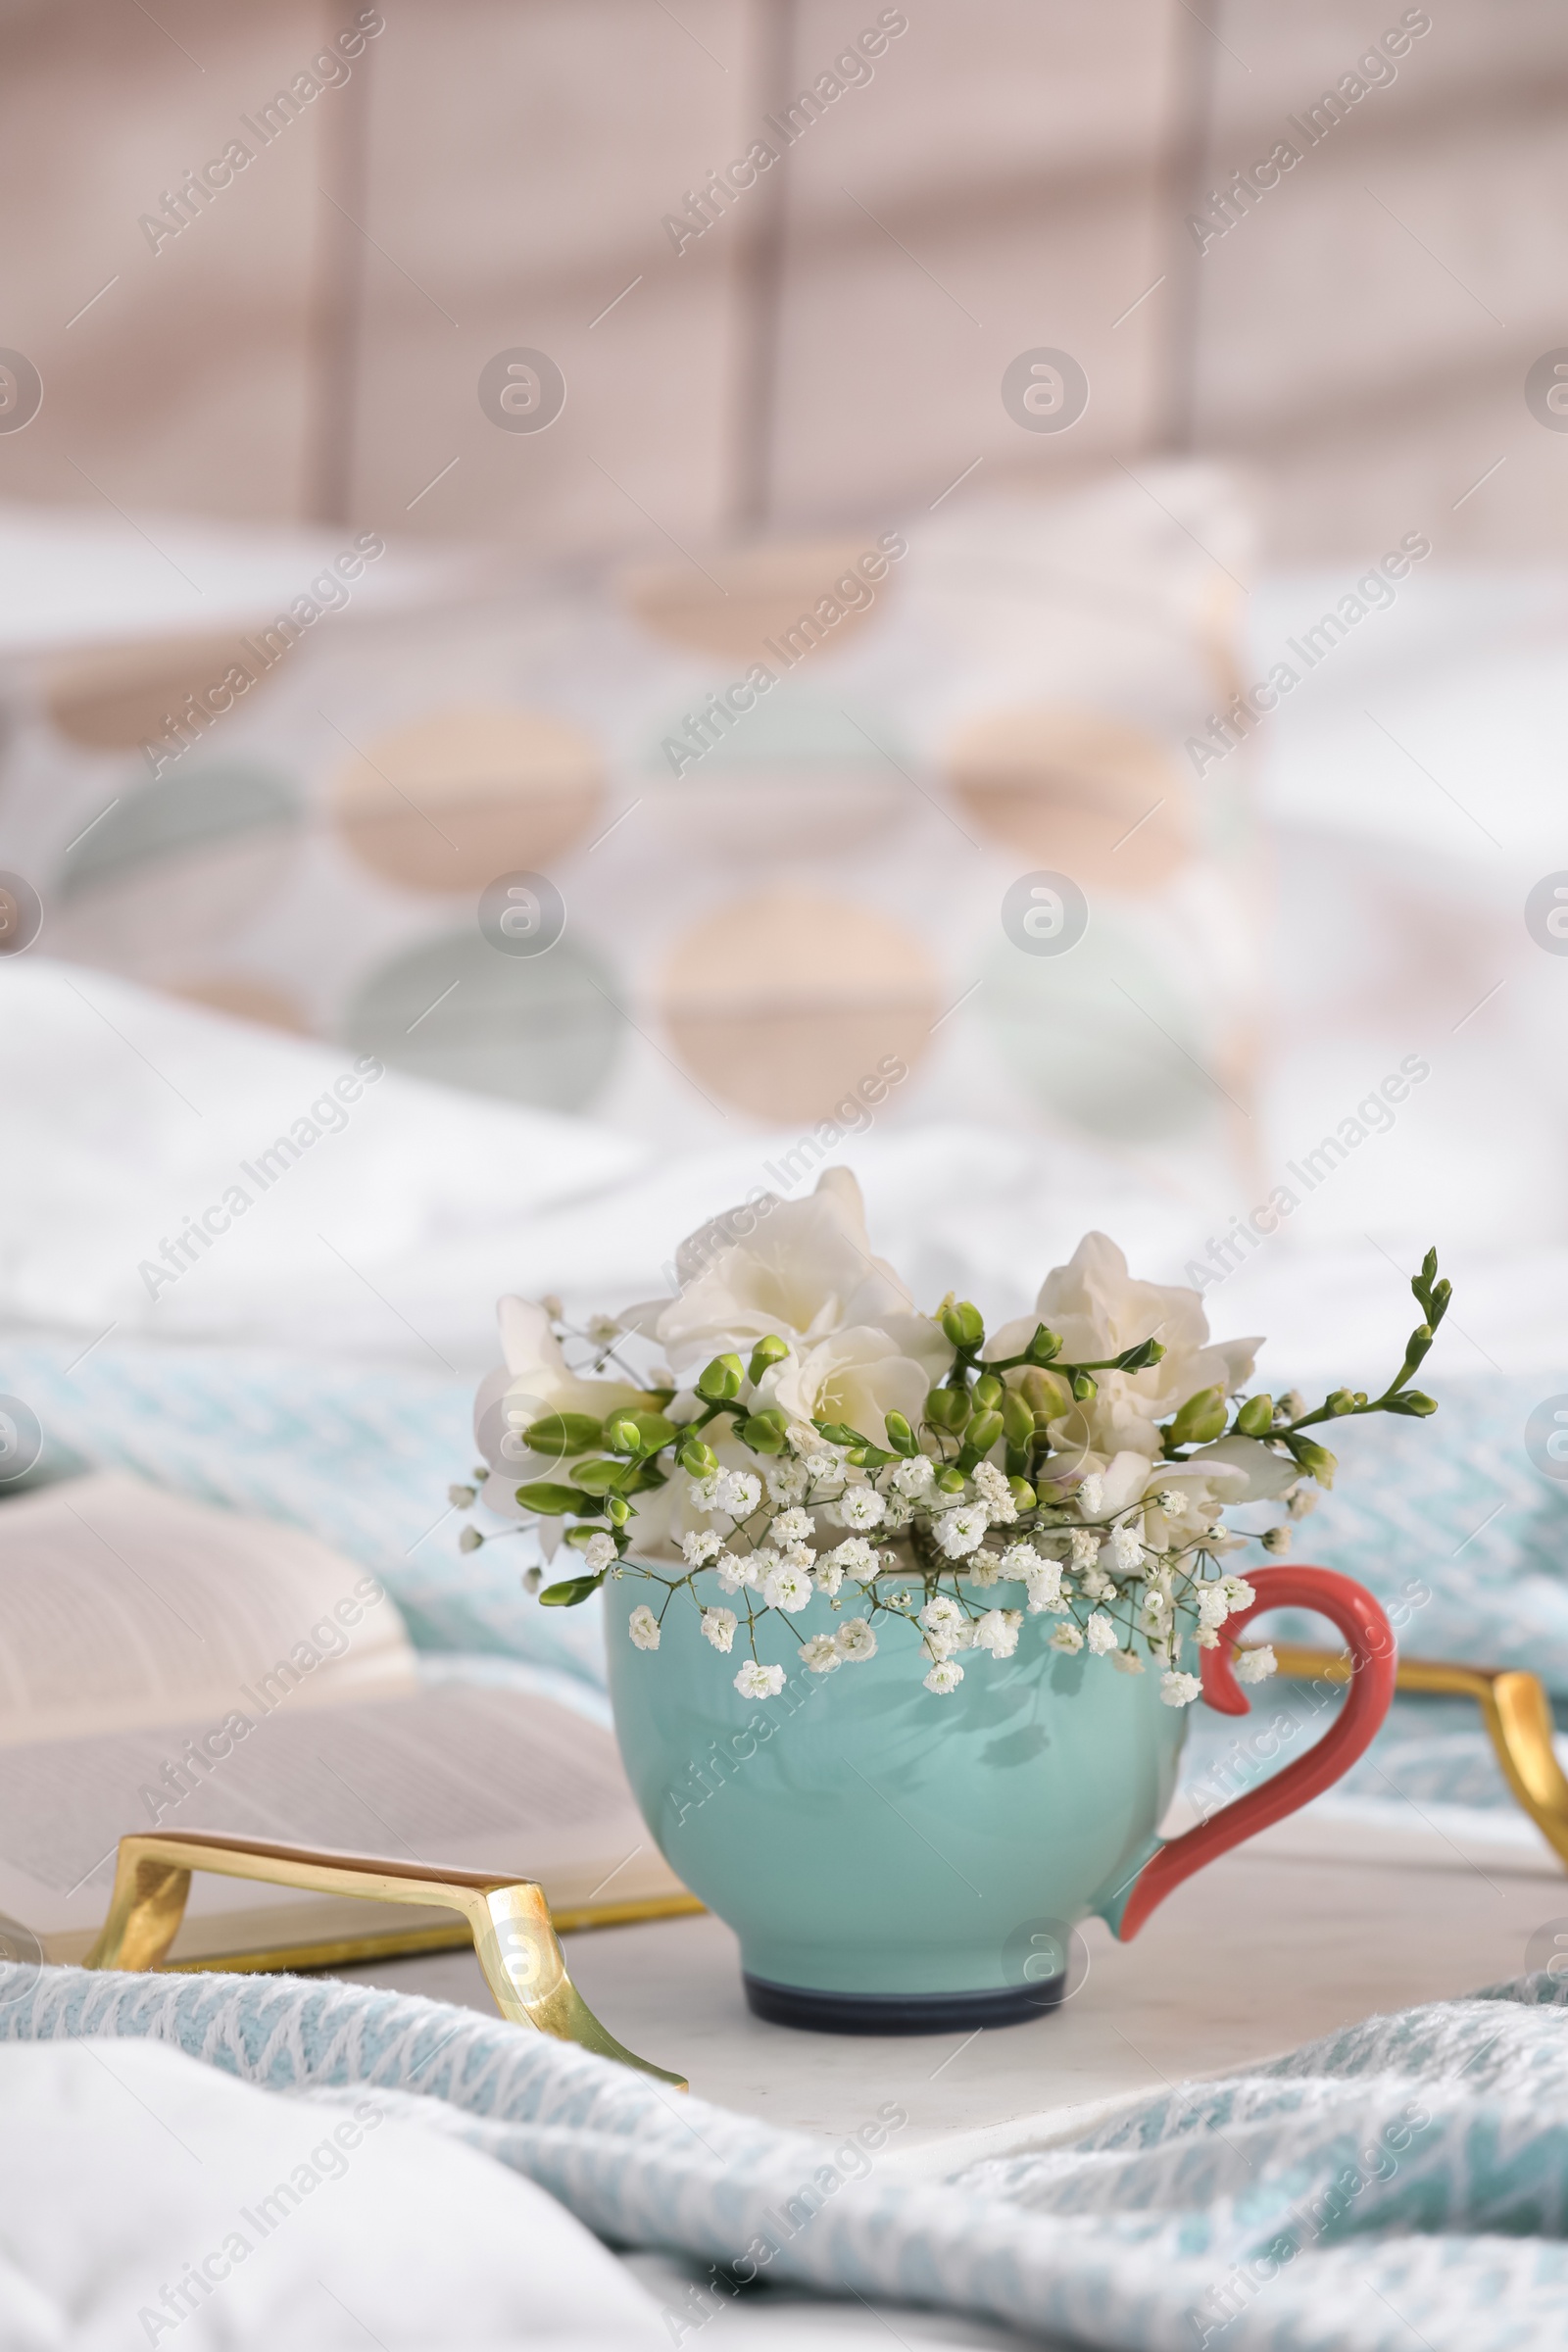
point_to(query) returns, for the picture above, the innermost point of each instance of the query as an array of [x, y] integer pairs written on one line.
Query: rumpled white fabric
[[131, 2182]]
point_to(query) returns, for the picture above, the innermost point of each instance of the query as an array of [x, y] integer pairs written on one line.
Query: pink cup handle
[[1373, 1666]]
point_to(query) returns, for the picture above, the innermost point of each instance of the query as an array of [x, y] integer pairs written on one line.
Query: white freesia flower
[[857, 1376], [643, 1627], [945, 1675], [1179, 1689], [533, 1383], [802, 1270], [720, 1627], [821, 1653], [1100, 1311], [962, 1529], [760, 1682], [855, 1641]]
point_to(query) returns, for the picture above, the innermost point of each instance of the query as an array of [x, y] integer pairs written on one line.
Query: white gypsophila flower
[[1302, 1500], [700, 1547], [821, 1465], [599, 1551], [705, 1491], [1207, 1637], [1020, 1559], [1096, 1585], [1092, 1495], [760, 1682], [1179, 1689], [897, 1512], [1125, 1549], [1085, 1547], [1066, 1637], [998, 1631], [854, 1557], [734, 1571], [829, 1578], [860, 1507], [1256, 1665], [1276, 1540], [820, 1653], [798, 1556], [787, 1588], [1213, 1604], [1099, 1634], [1043, 1581], [1128, 1660], [913, 1478], [792, 1526], [855, 1641], [719, 1625], [604, 1328], [643, 1627], [786, 1483], [939, 1611], [983, 1570], [962, 1530], [1238, 1594], [739, 1492], [996, 1493], [944, 1676]]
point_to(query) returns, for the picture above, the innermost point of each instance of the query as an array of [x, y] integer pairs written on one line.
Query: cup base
[[816, 2012]]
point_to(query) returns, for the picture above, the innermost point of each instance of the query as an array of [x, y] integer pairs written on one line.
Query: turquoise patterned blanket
[[1403, 2182]]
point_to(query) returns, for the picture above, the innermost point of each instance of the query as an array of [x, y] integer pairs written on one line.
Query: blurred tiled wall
[[494, 175]]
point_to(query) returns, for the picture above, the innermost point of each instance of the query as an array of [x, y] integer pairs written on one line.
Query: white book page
[[122, 1606], [469, 1777]]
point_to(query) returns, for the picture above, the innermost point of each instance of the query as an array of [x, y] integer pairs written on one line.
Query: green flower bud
[[1342, 1402], [1139, 1358], [553, 1502], [621, 1434], [947, 1408], [571, 1592], [1049, 1395], [900, 1437], [1413, 1404], [696, 1457], [1256, 1417], [950, 1480], [1085, 1387], [982, 1434], [771, 1350], [1200, 1420], [764, 1432], [617, 1510], [987, 1393], [963, 1324], [1022, 1492], [1315, 1460], [1044, 1345], [564, 1433], [598, 1477], [652, 1430], [720, 1380], [1017, 1418]]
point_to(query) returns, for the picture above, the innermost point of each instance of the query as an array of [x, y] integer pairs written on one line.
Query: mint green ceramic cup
[[892, 1860]]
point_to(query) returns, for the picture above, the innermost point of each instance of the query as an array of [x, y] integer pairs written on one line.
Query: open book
[[164, 1665]]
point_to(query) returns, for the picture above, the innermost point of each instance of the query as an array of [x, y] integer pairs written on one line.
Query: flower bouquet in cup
[[790, 1429]]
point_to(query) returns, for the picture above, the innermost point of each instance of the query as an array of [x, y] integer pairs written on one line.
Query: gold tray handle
[[513, 1934]]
